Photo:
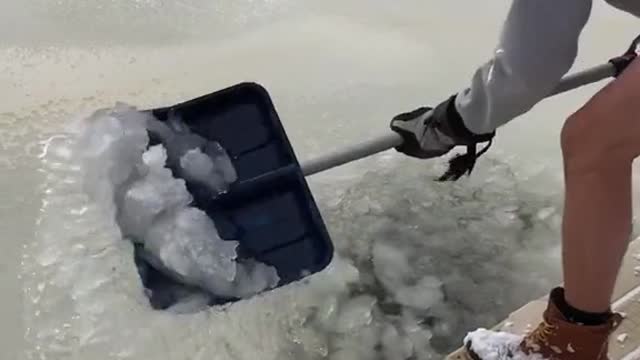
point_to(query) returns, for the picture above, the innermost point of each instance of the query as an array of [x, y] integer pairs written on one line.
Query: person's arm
[[538, 45]]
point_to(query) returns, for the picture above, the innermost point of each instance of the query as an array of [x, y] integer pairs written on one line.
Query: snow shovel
[[270, 210]]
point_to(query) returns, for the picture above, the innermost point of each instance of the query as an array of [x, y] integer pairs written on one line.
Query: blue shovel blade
[[269, 209]]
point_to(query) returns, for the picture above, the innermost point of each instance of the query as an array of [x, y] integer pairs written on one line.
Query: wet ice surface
[[418, 264], [448, 257]]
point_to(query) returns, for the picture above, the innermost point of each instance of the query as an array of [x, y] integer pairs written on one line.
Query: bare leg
[[596, 228], [599, 144]]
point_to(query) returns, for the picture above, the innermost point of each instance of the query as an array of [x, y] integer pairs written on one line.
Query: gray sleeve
[[538, 45]]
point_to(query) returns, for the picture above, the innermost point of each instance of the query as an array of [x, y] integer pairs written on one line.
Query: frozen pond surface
[[418, 263]]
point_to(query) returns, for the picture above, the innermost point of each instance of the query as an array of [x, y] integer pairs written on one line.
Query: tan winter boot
[[555, 338]]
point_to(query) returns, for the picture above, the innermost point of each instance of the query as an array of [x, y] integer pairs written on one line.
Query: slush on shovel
[[240, 170]]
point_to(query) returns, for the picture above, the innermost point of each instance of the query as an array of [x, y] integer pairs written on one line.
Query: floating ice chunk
[[110, 148], [159, 129], [253, 277], [392, 268], [187, 242], [312, 342], [199, 167], [359, 344], [327, 312], [213, 167], [356, 313], [176, 142], [419, 336], [175, 122], [337, 277], [147, 198], [190, 304], [222, 161], [346, 353], [423, 295], [391, 265], [155, 158], [182, 143], [394, 345]]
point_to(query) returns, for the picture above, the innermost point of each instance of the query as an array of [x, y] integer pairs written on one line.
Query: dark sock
[[578, 316]]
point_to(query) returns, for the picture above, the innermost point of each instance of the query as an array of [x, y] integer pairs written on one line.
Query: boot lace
[[542, 332]]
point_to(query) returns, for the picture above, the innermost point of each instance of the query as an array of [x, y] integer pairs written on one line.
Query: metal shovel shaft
[[392, 139]]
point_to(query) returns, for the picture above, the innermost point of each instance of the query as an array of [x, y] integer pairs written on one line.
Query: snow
[[497, 345], [622, 338]]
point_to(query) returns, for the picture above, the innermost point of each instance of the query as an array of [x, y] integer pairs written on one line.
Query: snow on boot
[[555, 338]]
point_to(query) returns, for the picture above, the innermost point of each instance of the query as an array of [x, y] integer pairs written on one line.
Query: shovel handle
[[585, 77], [352, 153], [392, 139]]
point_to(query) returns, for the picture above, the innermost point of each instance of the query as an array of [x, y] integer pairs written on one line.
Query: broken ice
[[391, 266], [355, 314], [205, 169], [198, 159], [155, 192], [152, 206], [187, 242]]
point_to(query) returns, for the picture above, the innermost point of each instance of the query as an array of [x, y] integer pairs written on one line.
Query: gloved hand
[[433, 132], [621, 62]]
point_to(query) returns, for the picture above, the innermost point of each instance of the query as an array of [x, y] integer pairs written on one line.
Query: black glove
[[429, 133]]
